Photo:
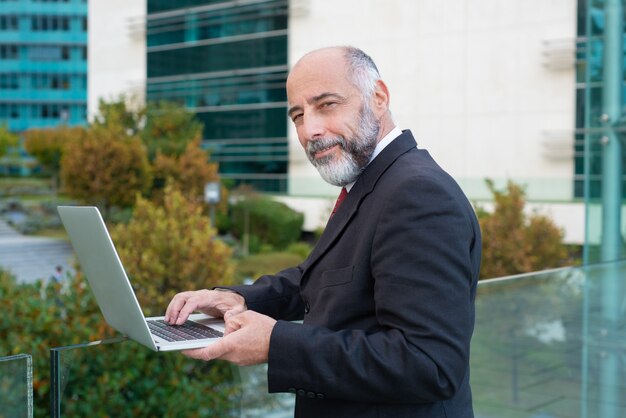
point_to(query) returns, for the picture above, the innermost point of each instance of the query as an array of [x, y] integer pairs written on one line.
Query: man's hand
[[211, 302], [246, 340]]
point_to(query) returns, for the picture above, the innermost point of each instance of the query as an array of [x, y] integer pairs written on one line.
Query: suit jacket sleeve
[[276, 295], [424, 272]]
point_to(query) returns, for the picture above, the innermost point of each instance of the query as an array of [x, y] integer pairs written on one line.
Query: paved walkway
[[31, 258]]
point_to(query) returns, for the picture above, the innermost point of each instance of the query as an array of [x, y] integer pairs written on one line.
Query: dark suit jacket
[[387, 298]]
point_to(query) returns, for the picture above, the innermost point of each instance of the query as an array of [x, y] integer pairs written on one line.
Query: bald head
[[351, 62]]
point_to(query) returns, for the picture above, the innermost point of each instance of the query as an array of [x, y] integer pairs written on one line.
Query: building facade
[[494, 90], [227, 62], [43, 63]]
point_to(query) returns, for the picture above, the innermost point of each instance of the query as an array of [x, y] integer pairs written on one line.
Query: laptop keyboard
[[187, 331]]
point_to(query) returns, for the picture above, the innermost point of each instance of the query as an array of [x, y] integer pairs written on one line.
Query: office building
[[43, 63], [494, 90]]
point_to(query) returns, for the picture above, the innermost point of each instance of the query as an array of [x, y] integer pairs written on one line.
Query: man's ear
[[380, 98]]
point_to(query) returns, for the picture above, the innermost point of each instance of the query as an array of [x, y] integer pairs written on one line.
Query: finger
[[231, 322], [174, 307], [187, 309], [210, 352]]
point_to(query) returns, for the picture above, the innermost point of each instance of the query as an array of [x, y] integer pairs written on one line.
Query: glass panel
[[227, 62], [155, 6], [217, 23], [222, 91], [16, 386], [262, 52], [252, 123], [547, 344], [118, 377], [551, 344]]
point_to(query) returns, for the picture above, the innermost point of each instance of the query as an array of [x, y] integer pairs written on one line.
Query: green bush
[[272, 222], [169, 249], [120, 380], [514, 242], [301, 249], [259, 264]]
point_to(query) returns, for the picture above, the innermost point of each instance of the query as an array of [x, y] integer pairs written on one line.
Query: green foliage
[[169, 127], [7, 140], [189, 171], [171, 248], [269, 263], [47, 145], [118, 116], [301, 249], [105, 169], [272, 222], [120, 380], [514, 242]]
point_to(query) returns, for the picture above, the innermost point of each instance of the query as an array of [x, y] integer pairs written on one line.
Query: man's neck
[[382, 143]]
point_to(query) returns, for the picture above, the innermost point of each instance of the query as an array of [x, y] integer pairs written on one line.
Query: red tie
[[342, 196]]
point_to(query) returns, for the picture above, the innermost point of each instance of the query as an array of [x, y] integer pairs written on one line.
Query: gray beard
[[355, 153]]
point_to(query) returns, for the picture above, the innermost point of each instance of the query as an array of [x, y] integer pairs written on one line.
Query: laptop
[[115, 296]]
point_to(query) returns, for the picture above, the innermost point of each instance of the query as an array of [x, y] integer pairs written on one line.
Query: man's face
[[334, 122]]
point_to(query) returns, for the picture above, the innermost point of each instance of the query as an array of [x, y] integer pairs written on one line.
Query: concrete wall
[[117, 51], [487, 86]]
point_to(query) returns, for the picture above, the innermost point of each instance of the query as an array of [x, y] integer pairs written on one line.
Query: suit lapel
[[363, 187]]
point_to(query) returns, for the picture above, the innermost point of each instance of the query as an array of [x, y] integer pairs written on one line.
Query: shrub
[[515, 243], [272, 222], [105, 169], [257, 265], [125, 379], [171, 248]]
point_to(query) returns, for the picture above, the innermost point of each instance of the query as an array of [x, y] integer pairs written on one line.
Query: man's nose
[[312, 126]]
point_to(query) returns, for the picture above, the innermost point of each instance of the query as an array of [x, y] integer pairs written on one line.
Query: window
[[233, 55], [8, 23], [50, 81], [44, 53], [9, 52], [50, 23], [9, 111], [9, 81], [589, 103], [49, 111]]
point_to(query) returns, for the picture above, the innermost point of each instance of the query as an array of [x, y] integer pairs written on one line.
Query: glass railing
[[119, 378], [550, 344], [16, 386]]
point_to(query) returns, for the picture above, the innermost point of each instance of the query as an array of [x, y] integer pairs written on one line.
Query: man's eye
[[328, 104], [296, 118]]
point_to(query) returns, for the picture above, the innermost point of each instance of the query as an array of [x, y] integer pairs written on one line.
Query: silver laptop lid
[[104, 272]]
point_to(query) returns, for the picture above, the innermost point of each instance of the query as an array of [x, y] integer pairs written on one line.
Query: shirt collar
[[393, 134]]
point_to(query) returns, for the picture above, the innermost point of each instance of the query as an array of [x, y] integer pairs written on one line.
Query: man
[[387, 294]]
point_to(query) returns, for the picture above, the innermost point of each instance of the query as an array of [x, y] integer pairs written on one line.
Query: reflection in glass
[[541, 341]]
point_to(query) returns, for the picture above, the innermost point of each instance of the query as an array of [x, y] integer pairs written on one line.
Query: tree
[[514, 242], [189, 171], [118, 116], [170, 248], [7, 140], [105, 168], [48, 145], [169, 128]]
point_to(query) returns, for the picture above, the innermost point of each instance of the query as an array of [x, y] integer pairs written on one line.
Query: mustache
[[321, 144]]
